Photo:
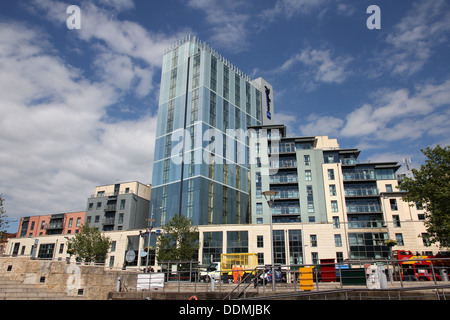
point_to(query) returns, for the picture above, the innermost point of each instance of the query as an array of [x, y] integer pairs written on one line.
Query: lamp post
[[270, 195]]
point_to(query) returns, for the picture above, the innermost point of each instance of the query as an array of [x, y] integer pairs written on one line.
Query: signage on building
[[269, 115]]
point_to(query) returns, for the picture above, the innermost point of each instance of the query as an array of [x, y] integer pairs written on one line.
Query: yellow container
[[306, 278]]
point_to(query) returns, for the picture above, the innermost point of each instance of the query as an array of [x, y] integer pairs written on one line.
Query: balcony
[[108, 221], [364, 209], [283, 179], [286, 194], [110, 207], [359, 176], [362, 192], [366, 224], [54, 226]]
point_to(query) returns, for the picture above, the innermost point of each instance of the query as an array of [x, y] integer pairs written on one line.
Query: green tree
[[431, 187], [3, 219], [89, 244], [179, 241]]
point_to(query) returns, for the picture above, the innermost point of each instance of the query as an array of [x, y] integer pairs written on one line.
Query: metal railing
[[346, 280]]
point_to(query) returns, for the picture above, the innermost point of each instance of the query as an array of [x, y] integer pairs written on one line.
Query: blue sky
[[78, 107]]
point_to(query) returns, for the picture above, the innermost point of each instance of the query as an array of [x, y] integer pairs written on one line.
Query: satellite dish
[[130, 256]]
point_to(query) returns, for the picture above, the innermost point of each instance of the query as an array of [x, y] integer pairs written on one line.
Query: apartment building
[[342, 207], [59, 223], [120, 206]]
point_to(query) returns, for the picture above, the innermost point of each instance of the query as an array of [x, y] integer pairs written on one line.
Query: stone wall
[[90, 282]]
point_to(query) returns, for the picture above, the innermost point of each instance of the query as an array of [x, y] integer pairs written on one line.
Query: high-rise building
[[200, 167]]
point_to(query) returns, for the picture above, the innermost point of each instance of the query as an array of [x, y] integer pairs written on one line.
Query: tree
[[90, 245], [179, 240], [3, 219], [431, 187]]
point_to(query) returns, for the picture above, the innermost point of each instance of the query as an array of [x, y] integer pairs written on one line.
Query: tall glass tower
[[200, 167]]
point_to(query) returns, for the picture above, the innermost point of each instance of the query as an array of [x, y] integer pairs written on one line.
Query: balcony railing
[[362, 192], [363, 208], [108, 221], [110, 207], [54, 226], [365, 224], [356, 176]]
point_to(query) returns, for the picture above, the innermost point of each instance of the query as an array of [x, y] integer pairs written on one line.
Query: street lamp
[[270, 195]]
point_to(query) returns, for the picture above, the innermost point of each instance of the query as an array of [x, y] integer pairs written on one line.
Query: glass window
[[330, 174], [308, 175], [313, 240], [279, 247], [337, 240], [332, 190]]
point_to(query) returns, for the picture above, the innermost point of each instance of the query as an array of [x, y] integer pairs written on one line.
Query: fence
[[398, 276]]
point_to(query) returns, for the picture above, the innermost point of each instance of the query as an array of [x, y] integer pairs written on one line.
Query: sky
[[78, 106]]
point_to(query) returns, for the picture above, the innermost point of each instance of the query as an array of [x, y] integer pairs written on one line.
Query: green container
[[355, 276]]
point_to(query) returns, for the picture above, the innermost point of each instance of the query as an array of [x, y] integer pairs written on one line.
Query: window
[[122, 204], [337, 240], [426, 241], [339, 257], [120, 218], [99, 205], [310, 198], [88, 219], [389, 188], [32, 225], [315, 257], [113, 246], [97, 219], [91, 206], [336, 224], [307, 160], [334, 206], [396, 220], [393, 203], [332, 190], [260, 241], [399, 238], [70, 222], [260, 259], [308, 175], [78, 222], [259, 209], [313, 240], [330, 174]]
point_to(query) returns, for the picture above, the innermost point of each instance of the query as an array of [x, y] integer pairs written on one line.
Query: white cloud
[[321, 125], [398, 114], [288, 8], [392, 115], [55, 143], [412, 41], [317, 66], [229, 25]]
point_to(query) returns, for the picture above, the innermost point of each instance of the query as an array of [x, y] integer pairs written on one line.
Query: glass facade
[[201, 154]]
